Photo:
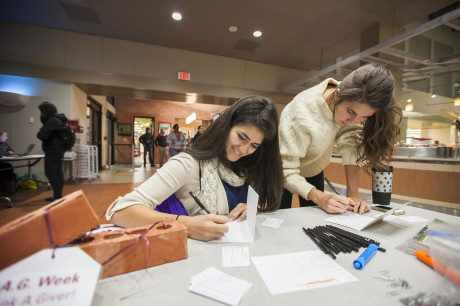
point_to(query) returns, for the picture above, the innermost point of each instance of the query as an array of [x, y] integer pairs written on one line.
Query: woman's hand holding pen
[[205, 227], [331, 203], [239, 210]]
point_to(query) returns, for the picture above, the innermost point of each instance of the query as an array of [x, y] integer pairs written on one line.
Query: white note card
[[360, 222], [69, 278], [272, 222], [219, 286], [235, 256], [300, 271], [243, 231]]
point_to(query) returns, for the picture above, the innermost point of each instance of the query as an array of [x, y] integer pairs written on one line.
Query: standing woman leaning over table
[[241, 147], [359, 115]]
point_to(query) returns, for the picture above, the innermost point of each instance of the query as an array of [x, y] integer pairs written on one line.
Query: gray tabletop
[[168, 284]]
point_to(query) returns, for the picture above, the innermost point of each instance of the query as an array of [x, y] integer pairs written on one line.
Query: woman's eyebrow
[[247, 138], [352, 111]]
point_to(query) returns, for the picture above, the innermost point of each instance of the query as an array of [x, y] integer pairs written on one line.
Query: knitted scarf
[[212, 172]]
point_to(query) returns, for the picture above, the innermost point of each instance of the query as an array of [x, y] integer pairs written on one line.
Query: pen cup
[[382, 181]]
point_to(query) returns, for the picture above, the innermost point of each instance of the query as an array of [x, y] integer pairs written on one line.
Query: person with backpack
[[52, 134]]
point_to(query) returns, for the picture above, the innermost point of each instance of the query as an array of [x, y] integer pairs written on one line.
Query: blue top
[[235, 195]]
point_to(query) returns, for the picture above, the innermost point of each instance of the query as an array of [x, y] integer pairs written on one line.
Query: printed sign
[[69, 278], [125, 129]]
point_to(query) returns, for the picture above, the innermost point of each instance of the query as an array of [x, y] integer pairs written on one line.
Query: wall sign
[[164, 125], [125, 129]]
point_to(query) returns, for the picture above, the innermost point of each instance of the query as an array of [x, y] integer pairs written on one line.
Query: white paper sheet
[[360, 222], [243, 231], [272, 222], [300, 271], [413, 219], [219, 286], [235, 256]]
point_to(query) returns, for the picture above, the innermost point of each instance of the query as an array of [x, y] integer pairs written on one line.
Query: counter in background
[[433, 181]]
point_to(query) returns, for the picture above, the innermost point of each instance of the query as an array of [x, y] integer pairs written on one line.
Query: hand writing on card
[[335, 203], [205, 227]]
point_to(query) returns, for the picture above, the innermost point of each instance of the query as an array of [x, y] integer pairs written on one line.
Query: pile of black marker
[[333, 240]]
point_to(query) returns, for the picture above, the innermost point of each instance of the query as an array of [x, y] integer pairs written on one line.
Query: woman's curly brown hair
[[373, 85]]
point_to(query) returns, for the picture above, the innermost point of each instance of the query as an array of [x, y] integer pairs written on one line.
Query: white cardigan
[[307, 137], [179, 175]]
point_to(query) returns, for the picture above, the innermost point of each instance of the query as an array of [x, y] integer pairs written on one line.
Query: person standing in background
[[162, 145], [198, 134], [176, 141], [147, 142], [51, 136]]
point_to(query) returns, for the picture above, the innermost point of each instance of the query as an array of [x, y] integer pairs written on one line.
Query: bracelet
[[177, 218]]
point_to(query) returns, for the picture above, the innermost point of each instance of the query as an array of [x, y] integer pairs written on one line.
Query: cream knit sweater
[[307, 137]]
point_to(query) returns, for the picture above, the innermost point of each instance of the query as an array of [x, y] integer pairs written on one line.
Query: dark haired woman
[[176, 141], [358, 115], [238, 149]]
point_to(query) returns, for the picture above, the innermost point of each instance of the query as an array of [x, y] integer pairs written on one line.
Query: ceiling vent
[[80, 13], [246, 45]]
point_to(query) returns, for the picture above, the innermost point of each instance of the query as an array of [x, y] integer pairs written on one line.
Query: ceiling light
[[457, 101], [409, 100], [177, 16], [433, 96], [257, 34], [233, 29], [409, 107]]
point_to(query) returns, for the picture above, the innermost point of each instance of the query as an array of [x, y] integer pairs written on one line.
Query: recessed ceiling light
[[433, 96], [257, 33], [409, 100], [177, 16], [232, 29]]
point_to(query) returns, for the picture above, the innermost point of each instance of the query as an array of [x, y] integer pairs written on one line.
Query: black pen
[[318, 243], [198, 202], [330, 186]]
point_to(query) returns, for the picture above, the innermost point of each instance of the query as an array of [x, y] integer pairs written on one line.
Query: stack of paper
[[219, 286]]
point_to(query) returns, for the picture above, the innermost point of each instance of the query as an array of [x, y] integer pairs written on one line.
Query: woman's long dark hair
[[262, 169], [373, 85]]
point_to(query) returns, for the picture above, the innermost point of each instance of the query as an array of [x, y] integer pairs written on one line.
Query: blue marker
[[365, 256]]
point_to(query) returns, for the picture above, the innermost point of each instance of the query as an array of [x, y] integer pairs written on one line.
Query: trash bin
[[382, 181]]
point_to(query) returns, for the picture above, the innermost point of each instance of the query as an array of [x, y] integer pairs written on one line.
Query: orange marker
[[437, 266]]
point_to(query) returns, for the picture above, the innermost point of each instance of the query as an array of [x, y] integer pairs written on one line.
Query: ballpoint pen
[[198, 202], [330, 186]]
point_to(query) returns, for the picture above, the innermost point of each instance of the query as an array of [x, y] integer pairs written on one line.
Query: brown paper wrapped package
[[69, 218], [165, 244]]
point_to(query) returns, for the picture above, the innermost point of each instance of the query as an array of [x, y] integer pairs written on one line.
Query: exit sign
[[183, 76]]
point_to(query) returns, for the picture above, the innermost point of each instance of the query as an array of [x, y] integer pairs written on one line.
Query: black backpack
[[68, 138]]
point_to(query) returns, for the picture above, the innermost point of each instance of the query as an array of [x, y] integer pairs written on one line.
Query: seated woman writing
[[238, 149]]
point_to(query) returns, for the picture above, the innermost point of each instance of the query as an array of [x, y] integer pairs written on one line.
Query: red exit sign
[[183, 76]]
